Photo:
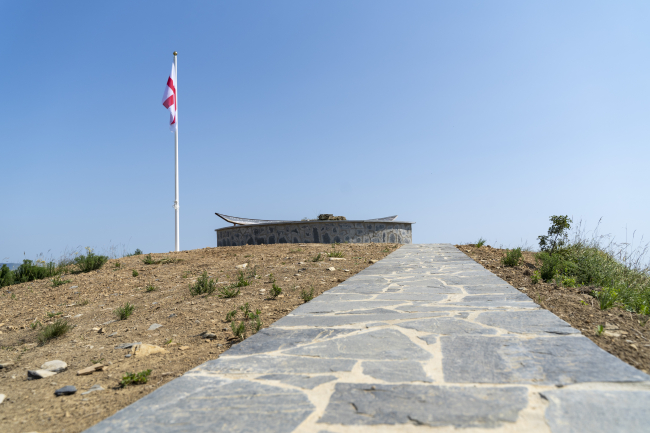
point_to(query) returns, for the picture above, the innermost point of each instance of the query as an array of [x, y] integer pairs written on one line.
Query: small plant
[[297, 250], [135, 273], [148, 260], [246, 309], [480, 242], [582, 302], [228, 292], [90, 261], [150, 288], [124, 311], [137, 252], [275, 291], [241, 280], [385, 250], [185, 275], [535, 277], [96, 361], [53, 314], [54, 330], [203, 286], [135, 378], [307, 296], [56, 282], [317, 258], [568, 282], [339, 253], [35, 324], [230, 316], [271, 278], [557, 236], [600, 329], [606, 297], [257, 324], [13, 296], [84, 302], [168, 342], [238, 330], [117, 265], [512, 258]]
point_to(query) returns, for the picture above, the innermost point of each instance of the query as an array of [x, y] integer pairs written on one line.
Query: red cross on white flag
[[169, 100]]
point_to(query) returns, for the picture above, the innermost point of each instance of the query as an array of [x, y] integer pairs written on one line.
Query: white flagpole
[[176, 205]]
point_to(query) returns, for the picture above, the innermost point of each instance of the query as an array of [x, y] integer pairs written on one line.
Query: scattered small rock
[[6, 364], [336, 259], [346, 270], [154, 327], [127, 345], [96, 387], [143, 350], [100, 330], [128, 355], [74, 287], [2, 398], [90, 370], [242, 266], [109, 322], [171, 315], [66, 390], [55, 366], [39, 374], [372, 261], [183, 347], [331, 269], [114, 334], [210, 335]]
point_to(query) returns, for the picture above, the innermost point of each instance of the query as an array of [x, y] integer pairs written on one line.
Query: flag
[[169, 100]]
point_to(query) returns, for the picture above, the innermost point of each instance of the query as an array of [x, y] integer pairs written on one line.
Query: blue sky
[[470, 118]]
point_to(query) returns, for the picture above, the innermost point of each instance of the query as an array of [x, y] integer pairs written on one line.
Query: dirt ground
[[88, 302], [626, 335]]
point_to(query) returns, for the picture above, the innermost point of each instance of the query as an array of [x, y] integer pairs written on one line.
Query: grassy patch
[[335, 254], [56, 282], [148, 260], [512, 258], [135, 378], [275, 291], [90, 261], [124, 311], [307, 296], [204, 285], [135, 273], [150, 288], [54, 330], [480, 242]]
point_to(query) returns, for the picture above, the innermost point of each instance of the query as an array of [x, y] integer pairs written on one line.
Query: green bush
[[203, 286], [480, 242], [512, 258], [124, 311], [29, 271], [557, 236], [54, 330], [90, 261], [6, 276], [135, 378], [307, 296], [275, 291]]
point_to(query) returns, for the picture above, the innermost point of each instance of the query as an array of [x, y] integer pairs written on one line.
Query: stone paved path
[[424, 340]]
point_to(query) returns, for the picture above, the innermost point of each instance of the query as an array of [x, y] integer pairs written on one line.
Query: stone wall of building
[[324, 232]]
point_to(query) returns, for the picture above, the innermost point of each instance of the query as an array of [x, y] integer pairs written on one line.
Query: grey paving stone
[[530, 322], [201, 404], [517, 296], [409, 296], [396, 371], [272, 339], [383, 344], [346, 319], [595, 411], [431, 405], [557, 360], [429, 339], [486, 279], [490, 289], [332, 307], [447, 326], [262, 364], [301, 381]]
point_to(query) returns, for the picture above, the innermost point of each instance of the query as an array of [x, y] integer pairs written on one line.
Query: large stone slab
[[396, 371], [272, 339], [197, 404], [366, 404], [595, 411], [263, 364], [384, 344], [560, 360], [447, 326], [301, 381], [527, 322]]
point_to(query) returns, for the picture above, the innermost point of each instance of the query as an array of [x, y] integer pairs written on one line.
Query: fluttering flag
[[169, 100]]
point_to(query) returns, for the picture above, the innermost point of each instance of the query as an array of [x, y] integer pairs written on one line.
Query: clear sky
[[472, 118]]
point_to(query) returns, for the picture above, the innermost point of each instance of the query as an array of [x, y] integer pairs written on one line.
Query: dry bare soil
[[626, 335], [88, 303]]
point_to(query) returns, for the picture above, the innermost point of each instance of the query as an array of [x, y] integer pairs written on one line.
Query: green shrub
[[150, 288], [606, 297], [512, 258], [56, 282], [29, 271], [557, 236], [54, 330], [568, 282], [137, 252], [90, 261], [135, 378], [124, 311], [317, 258], [480, 242], [275, 291], [241, 280], [231, 315], [135, 273], [535, 277], [337, 254], [203, 286], [307, 296], [6, 276], [238, 330], [148, 260]]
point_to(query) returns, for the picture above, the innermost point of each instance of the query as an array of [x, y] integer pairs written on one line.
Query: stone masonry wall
[[324, 232]]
